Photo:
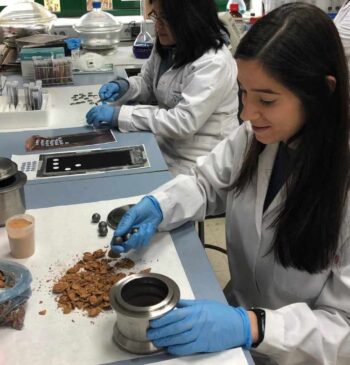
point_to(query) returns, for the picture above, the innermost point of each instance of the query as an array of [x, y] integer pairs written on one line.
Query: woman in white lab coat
[[187, 89], [283, 181], [342, 22]]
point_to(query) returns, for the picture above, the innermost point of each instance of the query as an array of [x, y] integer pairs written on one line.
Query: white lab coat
[[342, 22], [196, 107], [307, 316]]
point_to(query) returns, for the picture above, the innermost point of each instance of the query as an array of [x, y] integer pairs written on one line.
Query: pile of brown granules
[[86, 285]]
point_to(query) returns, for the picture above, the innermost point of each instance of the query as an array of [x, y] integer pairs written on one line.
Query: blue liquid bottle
[[143, 44]]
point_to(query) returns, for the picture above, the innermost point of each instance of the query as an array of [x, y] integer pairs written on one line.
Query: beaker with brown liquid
[[20, 231]]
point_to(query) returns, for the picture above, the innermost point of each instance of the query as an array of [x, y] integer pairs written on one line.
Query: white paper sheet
[[229, 357], [62, 113], [63, 234]]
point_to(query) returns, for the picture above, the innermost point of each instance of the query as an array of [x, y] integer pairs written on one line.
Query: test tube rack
[[19, 117]]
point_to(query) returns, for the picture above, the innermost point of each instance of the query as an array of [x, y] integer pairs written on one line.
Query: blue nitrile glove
[[146, 216], [201, 326], [73, 43], [114, 90], [103, 116]]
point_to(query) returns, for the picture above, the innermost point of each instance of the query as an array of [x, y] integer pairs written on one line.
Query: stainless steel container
[[137, 299], [12, 200]]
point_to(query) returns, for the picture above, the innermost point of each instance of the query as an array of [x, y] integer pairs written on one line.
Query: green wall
[[76, 8]]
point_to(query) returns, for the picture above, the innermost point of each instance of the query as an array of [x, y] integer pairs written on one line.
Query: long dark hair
[[298, 45], [195, 26]]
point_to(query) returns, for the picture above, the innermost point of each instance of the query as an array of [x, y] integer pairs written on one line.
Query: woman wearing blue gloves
[[283, 181], [186, 93], [342, 22]]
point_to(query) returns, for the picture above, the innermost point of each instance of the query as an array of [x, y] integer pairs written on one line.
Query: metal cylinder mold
[[137, 299], [12, 200]]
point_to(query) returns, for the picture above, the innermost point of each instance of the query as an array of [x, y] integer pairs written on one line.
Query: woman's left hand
[[102, 116], [201, 326]]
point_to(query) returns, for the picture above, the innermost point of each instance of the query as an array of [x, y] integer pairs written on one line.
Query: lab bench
[[13, 143], [60, 111], [124, 64], [64, 191]]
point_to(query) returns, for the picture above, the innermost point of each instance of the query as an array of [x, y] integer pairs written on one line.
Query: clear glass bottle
[[143, 44]]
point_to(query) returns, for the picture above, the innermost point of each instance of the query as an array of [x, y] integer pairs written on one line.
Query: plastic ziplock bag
[[15, 294]]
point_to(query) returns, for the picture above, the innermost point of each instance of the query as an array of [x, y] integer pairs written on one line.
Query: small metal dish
[[12, 181], [137, 299], [116, 214]]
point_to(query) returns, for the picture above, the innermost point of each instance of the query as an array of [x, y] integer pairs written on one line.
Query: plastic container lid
[[18, 276], [96, 4], [97, 22], [8, 168], [25, 13]]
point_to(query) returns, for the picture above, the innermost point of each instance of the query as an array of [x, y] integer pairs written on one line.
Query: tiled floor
[[215, 235]]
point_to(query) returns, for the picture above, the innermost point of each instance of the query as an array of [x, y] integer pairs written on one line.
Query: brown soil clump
[[3, 284], [14, 318], [113, 255], [2, 280], [125, 264], [86, 284], [10, 317]]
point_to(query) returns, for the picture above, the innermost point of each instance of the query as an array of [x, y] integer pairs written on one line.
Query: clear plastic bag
[[14, 293]]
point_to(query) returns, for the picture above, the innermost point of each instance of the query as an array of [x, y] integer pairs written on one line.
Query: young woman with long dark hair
[[283, 181]]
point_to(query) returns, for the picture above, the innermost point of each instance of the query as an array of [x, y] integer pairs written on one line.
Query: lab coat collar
[[265, 166], [342, 13]]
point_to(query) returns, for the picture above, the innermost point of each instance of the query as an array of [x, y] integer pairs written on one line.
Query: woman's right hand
[[110, 92], [146, 217]]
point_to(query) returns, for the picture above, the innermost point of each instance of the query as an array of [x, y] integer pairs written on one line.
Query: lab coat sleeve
[[297, 334], [205, 87], [141, 86], [193, 197], [342, 22]]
